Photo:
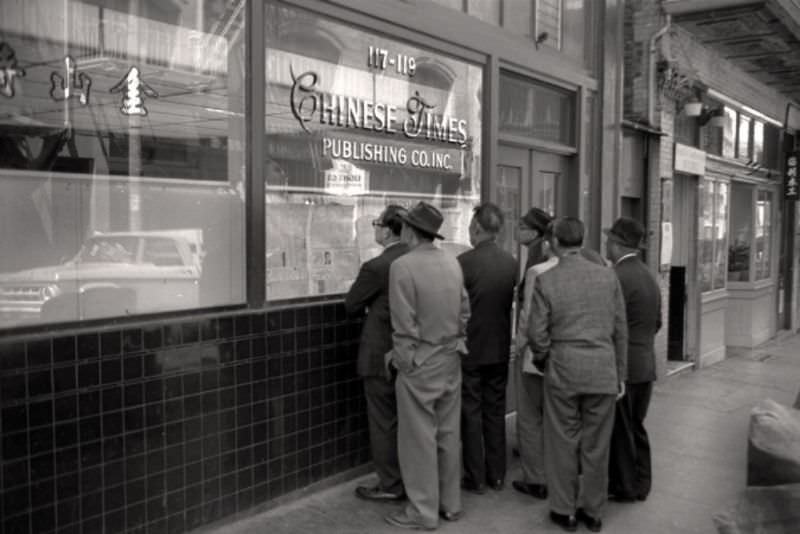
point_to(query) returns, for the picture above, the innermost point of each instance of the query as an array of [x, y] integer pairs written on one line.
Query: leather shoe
[[472, 487], [496, 485], [538, 491], [595, 524], [566, 522], [451, 516], [616, 497], [375, 493], [400, 519]]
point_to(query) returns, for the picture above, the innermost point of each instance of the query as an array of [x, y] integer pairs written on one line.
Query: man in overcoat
[[490, 274], [370, 294], [629, 467], [578, 335], [430, 309]]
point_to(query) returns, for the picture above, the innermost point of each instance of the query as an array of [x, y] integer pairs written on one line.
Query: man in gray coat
[[430, 309], [578, 335], [370, 294]]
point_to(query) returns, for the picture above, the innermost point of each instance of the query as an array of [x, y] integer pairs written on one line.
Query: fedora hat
[[627, 232], [424, 218], [537, 219]]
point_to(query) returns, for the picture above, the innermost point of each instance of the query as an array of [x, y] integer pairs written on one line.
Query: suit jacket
[[490, 274], [370, 293], [643, 310], [577, 324], [429, 307]]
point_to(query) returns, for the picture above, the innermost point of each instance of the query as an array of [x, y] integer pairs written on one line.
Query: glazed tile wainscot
[[170, 425]]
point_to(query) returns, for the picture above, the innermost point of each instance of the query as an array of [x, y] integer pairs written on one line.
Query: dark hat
[[537, 219], [424, 218], [627, 232]]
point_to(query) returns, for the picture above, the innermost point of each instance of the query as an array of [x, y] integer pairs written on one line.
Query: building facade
[[708, 91], [186, 192]]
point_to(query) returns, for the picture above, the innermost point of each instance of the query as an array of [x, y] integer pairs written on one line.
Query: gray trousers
[[577, 431], [429, 437], [530, 421], [382, 417]]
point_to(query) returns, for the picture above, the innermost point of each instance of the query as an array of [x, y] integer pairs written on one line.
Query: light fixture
[[693, 108]]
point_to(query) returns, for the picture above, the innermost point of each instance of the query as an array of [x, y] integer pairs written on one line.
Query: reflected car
[[113, 274]]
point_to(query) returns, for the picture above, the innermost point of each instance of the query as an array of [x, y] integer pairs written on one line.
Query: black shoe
[[538, 491], [472, 487], [375, 493], [618, 497], [497, 484], [567, 522], [451, 516], [595, 524]]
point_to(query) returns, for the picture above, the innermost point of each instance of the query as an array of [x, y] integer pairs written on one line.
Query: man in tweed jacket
[[578, 334]]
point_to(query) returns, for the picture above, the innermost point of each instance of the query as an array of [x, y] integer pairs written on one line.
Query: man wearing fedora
[[629, 465], [370, 293], [578, 336], [490, 274], [430, 309]]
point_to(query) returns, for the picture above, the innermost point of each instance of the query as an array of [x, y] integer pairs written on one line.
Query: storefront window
[[712, 232], [121, 158], [743, 150], [355, 121], [729, 134], [741, 232], [763, 235], [758, 141]]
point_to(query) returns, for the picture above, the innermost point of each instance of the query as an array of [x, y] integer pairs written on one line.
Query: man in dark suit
[[490, 274], [370, 293], [629, 465], [578, 335]]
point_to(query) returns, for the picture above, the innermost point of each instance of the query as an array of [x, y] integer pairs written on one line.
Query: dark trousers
[[483, 421], [382, 417], [629, 471], [577, 434]]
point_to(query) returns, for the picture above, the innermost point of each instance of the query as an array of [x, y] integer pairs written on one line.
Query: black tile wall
[[174, 425]]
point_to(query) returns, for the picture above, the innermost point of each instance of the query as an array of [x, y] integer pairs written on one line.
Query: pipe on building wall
[[651, 71]]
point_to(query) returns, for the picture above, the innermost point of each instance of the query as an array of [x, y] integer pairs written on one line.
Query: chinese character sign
[[74, 84], [133, 89], [790, 184], [8, 70]]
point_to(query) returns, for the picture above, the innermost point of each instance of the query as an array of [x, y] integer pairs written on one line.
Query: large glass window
[[713, 234], [121, 158], [355, 121], [741, 232], [763, 235], [533, 109], [729, 133]]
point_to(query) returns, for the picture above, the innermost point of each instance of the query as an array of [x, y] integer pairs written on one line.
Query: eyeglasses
[[377, 224]]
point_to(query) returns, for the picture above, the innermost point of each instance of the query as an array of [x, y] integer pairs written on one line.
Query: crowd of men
[[435, 350]]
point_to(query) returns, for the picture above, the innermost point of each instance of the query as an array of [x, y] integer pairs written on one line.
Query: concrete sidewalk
[[698, 429]]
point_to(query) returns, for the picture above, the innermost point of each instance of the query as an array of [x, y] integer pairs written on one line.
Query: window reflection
[[741, 232], [351, 127], [121, 143], [713, 239]]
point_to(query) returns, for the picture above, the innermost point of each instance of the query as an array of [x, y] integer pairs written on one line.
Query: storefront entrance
[[525, 178], [683, 301]]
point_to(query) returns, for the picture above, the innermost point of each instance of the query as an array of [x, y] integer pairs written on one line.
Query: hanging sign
[[790, 189], [133, 89], [9, 70]]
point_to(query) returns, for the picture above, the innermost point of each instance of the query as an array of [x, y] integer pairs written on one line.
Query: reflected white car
[[113, 274]]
